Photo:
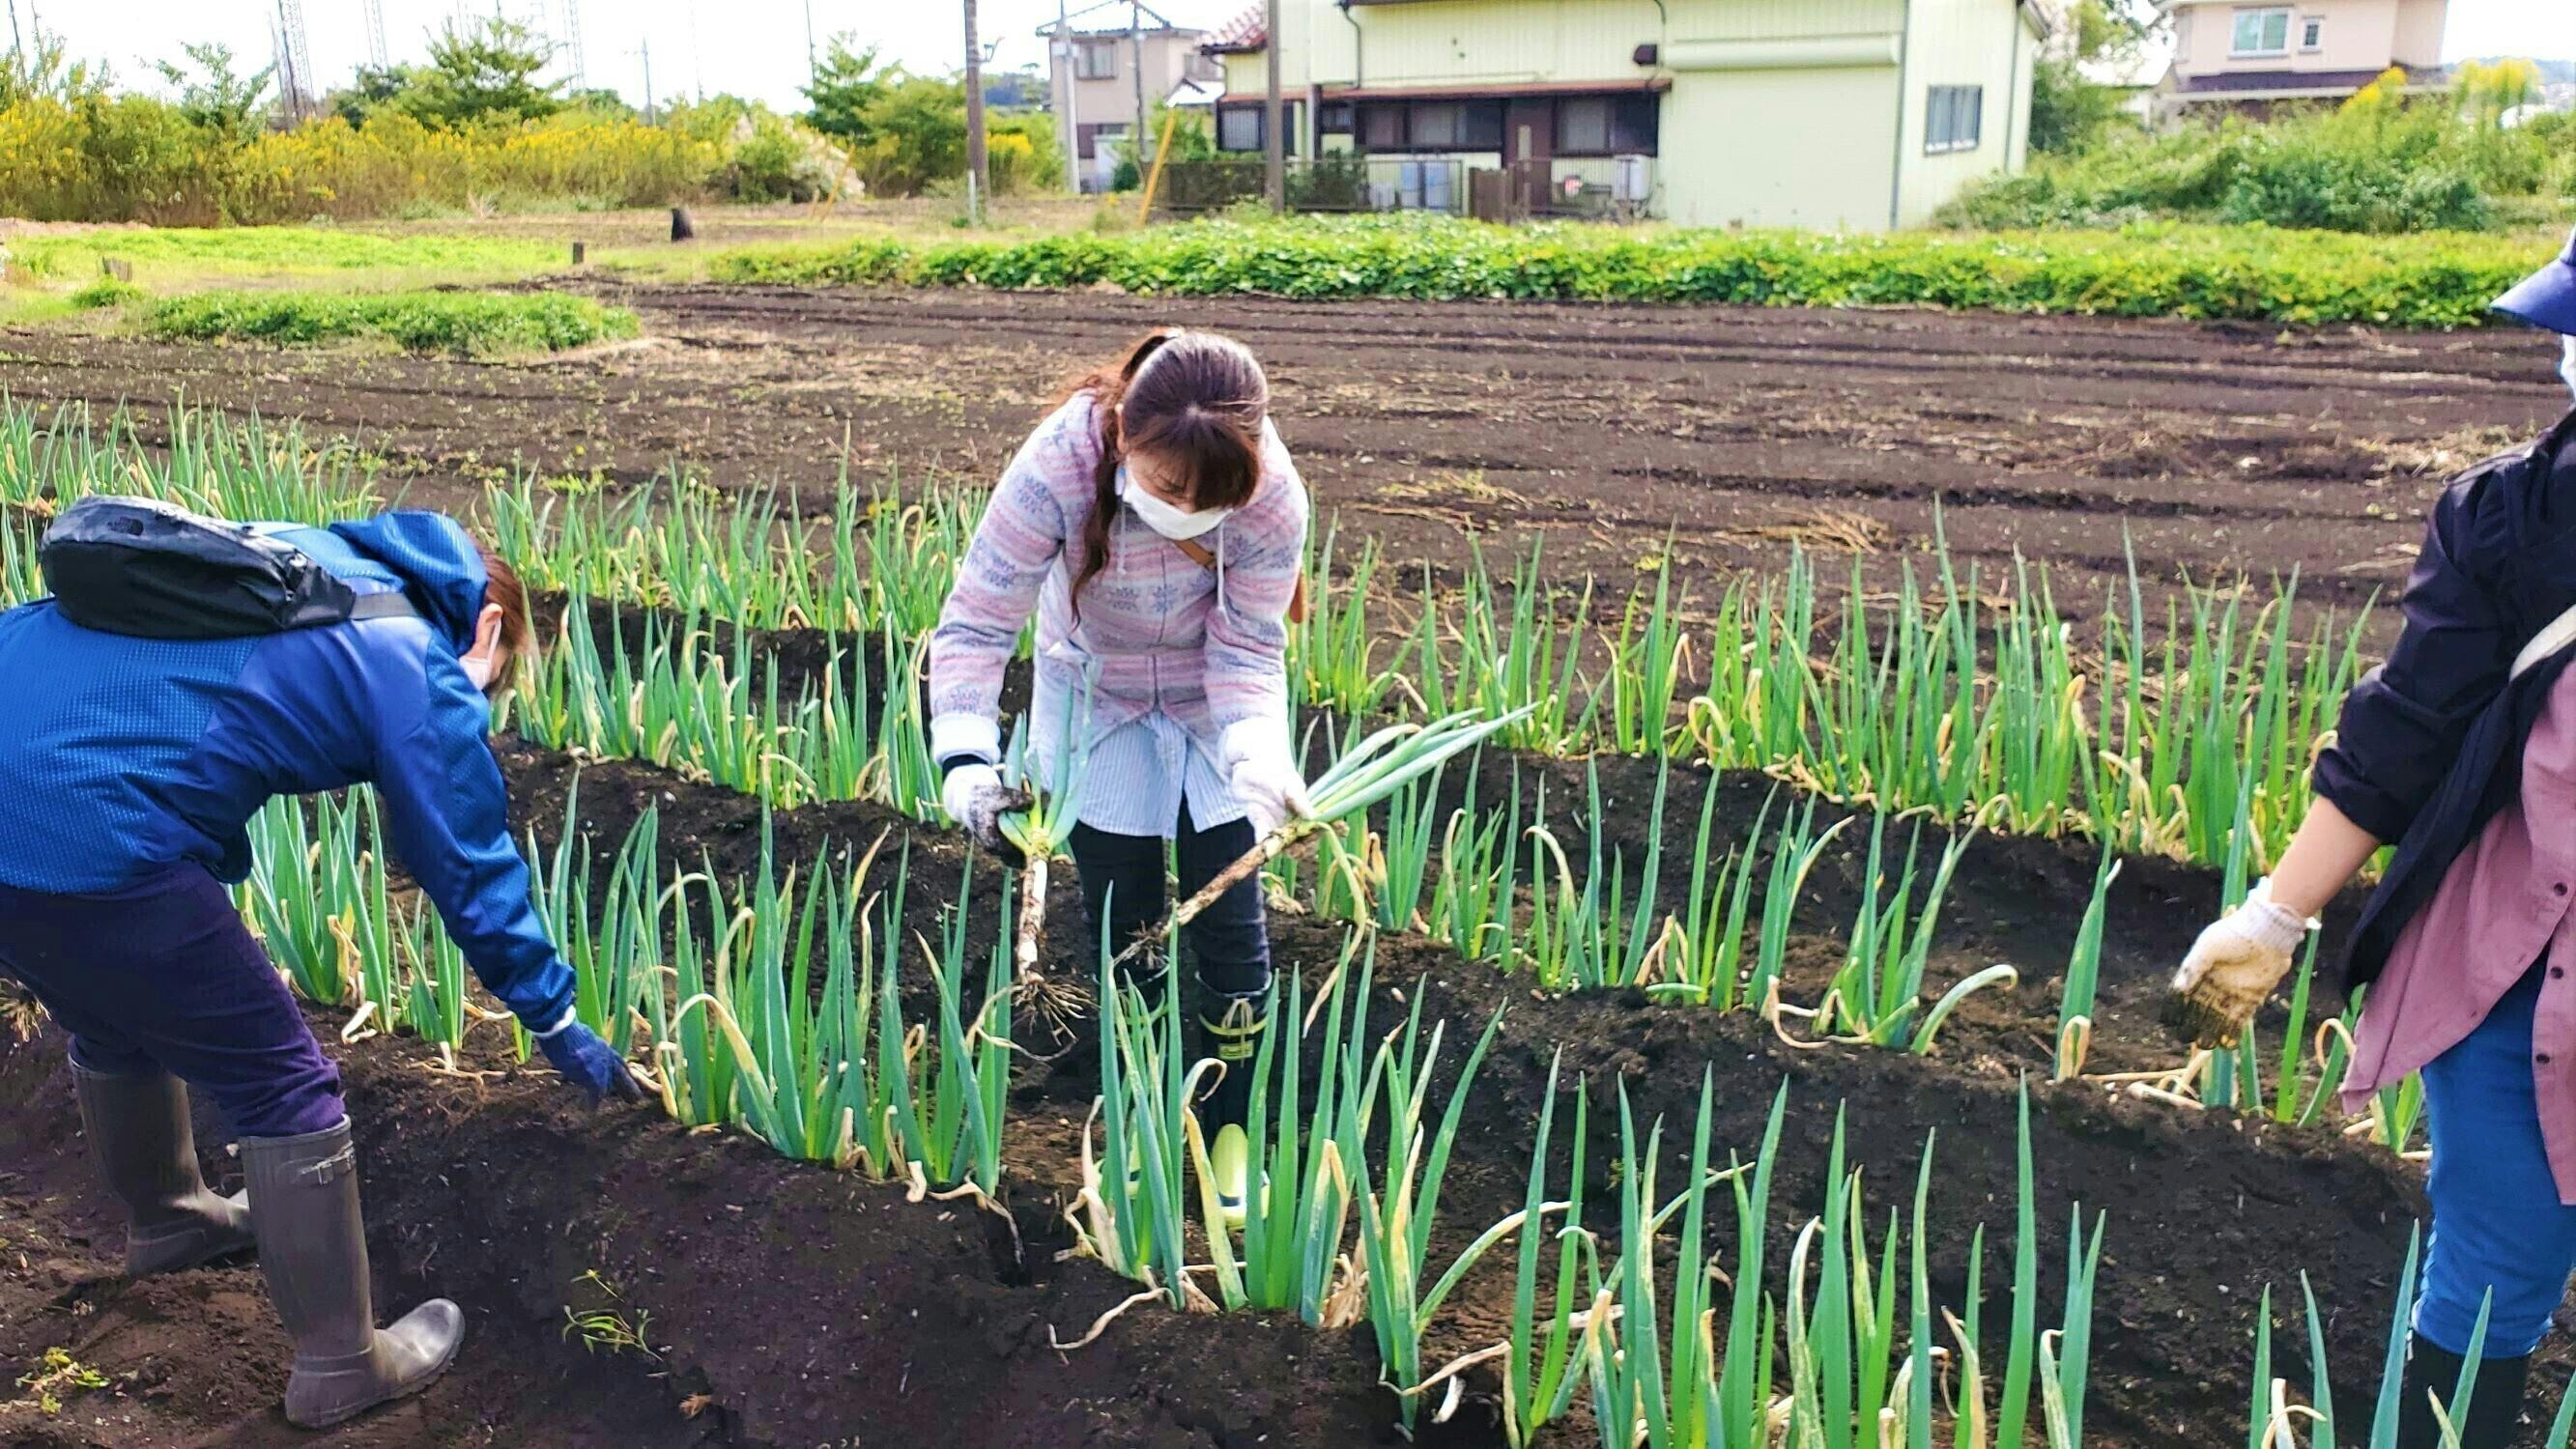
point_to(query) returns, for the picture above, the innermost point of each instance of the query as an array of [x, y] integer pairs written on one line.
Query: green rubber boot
[[313, 1245], [140, 1136]]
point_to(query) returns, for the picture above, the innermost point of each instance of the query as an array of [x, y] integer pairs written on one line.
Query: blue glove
[[588, 1062]]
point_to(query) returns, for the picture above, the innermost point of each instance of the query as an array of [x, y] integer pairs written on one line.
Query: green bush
[[2158, 269], [466, 324], [106, 292], [2383, 164]]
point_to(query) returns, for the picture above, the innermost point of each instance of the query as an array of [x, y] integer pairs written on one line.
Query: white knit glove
[[2234, 965], [1263, 771], [975, 797]]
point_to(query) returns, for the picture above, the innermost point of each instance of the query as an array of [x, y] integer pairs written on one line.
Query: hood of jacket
[[440, 567]]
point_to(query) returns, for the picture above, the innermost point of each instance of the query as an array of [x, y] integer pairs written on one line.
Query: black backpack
[[145, 568]]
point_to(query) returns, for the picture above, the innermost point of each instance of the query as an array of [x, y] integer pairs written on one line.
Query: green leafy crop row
[[463, 323], [2256, 273]]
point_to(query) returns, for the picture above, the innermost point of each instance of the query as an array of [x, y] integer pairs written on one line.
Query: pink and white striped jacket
[[1155, 632]]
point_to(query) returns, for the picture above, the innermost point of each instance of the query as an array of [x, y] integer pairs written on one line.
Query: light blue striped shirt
[[1138, 775]]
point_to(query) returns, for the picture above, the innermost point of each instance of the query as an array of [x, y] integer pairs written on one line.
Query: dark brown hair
[[1194, 400]]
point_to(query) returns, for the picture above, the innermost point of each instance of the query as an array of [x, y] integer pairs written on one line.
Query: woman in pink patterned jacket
[[1156, 528]]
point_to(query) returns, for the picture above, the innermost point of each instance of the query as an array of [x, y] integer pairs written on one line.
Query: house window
[[2312, 32], [1583, 126], [1336, 118], [1382, 127], [1095, 60], [1954, 119], [1605, 126], [1245, 127], [2261, 32], [1454, 126], [1438, 124], [1089, 137]]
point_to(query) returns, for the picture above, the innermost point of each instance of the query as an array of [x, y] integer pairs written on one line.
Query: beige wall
[[1502, 42], [2419, 32], [1111, 101], [1780, 112], [1979, 43], [2358, 35], [1728, 162]]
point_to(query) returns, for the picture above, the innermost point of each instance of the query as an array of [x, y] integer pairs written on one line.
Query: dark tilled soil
[[784, 1305], [2205, 1211], [2207, 449], [789, 1305]]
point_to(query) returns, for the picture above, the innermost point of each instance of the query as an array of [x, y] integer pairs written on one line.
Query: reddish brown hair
[[1193, 400], [501, 586]]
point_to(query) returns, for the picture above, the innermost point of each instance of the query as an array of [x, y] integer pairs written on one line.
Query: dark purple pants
[[163, 976]]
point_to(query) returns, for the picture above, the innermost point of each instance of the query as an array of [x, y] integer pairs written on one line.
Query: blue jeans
[[163, 976], [2498, 1226]]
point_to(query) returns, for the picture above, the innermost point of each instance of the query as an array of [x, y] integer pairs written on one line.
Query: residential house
[[1109, 64], [1828, 114], [2252, 57]]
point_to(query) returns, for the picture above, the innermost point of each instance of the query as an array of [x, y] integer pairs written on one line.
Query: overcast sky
[[757, 47]]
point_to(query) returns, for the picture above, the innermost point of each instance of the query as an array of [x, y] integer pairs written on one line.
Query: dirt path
[[2209, 449]]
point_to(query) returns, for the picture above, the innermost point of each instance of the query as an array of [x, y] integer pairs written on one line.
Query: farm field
[[635, 1281], [2209, 448]]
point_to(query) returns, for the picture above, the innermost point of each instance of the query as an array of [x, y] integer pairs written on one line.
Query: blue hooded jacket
[[121, 757]]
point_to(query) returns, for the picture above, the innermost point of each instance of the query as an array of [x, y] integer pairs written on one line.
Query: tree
[[482, 72], [917, 136], [846, 84], [2488, 92], [226, 105], [2069, 110], [600, 101], [373, 89]]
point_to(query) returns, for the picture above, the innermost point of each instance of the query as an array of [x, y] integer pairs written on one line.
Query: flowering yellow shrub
[[133, 159]]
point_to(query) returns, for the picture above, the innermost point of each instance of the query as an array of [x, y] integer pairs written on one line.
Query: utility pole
[[811, 68], [1274, 158], [376, 48], [979, 176], [1068, 91], [647, 52], [697, 59], [572, 44]]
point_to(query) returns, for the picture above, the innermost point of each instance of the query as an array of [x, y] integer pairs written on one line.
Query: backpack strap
[[2554, 636], [387, 604], [1298, 608]]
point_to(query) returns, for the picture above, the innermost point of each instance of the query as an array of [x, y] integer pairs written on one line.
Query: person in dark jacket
[[2461, 751], [129, 768]]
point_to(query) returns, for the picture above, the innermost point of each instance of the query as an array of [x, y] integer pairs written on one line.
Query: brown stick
[[1270, 848]]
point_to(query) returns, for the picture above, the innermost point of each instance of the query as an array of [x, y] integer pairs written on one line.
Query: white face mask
[[1179, 524], [2567, 361], [478, 671]]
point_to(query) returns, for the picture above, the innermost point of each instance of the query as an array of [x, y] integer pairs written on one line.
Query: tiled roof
[[1245, 33]]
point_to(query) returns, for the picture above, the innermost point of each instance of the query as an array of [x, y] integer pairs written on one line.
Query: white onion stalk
[[1367, 773], [1037, 832]]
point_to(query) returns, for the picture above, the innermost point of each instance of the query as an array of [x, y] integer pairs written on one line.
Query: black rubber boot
[[2486, 1422], [313, 1246], [144, 1146], [1231, 1028]]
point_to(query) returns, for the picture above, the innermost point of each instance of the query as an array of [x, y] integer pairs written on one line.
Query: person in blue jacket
[[129, 768]]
